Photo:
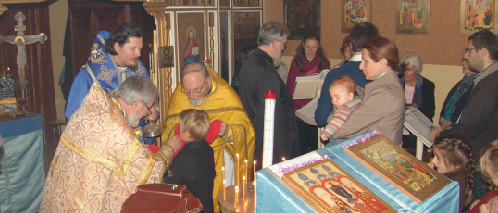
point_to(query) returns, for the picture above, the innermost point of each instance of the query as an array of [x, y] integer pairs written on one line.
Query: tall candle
[[237, 173], [254, 168], [236, 196], [224, 184], [243, 188], [245, 161], [224, 189]]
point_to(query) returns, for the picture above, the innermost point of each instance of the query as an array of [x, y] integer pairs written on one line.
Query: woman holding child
[[383, 105], [309, 60]]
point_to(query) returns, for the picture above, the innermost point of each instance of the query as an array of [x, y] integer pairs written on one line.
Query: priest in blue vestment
[[113, 58]]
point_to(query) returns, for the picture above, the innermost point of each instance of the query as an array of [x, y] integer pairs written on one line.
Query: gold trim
[[118, 169], [211, 111], [91, 156], [147, 170]]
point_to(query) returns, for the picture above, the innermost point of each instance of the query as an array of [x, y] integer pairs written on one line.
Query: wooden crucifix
[[21, 41]]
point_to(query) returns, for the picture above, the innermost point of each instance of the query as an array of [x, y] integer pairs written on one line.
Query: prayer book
[[419, 125], [307, 87], [307, 113]]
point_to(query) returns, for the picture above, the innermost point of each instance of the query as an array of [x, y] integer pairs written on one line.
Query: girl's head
[[379, 55], [489, 163], [453, 153], [346, 48], [342, 90]]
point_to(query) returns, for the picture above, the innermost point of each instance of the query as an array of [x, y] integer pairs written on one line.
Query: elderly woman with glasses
[[308, 60], [419, 93], [457, 97]]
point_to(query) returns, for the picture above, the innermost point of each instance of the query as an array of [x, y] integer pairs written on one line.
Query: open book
[[307, 87], [419, 125], [307, 113]]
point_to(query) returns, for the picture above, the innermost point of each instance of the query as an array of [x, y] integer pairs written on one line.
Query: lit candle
[[237, 173], [223, 170], [224, 184], [283, 158], [224, 193], [254, 167], [243, 188], [236, 196], [245, 161]]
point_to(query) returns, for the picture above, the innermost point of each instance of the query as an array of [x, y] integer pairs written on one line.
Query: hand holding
[[324, 137], [445, 124], [434, 132], [174, 142], [153, 116]]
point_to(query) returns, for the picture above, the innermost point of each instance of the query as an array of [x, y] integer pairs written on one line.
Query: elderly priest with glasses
[[231, 130], [99, 161]]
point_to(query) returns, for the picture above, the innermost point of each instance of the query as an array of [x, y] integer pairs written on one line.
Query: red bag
[[162, 198]]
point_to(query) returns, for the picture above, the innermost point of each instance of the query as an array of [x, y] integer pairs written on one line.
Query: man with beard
[[478, 120], [258, 75], [113, 58], [202, 89], [99, 161]]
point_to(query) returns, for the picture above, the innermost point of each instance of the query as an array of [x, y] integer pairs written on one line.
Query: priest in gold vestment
[[99, 160], [203, 89]]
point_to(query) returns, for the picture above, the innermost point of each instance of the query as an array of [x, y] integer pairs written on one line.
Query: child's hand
[[324, 137], [474, 204]]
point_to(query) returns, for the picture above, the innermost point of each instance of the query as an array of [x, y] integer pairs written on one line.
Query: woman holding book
[[308, 60], [419, 93]]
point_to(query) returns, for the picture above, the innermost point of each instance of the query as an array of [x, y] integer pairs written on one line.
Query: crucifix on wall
[[21, 41]]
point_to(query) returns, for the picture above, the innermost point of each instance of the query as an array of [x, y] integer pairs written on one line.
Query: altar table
[[22, 173]]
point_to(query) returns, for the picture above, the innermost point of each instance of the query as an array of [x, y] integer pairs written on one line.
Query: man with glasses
[[258, 75], [99, 161], [113, 58], [478, 120], [202, 89]]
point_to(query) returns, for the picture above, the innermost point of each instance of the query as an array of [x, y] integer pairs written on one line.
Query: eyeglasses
[[285, 44], [148, 109], [195, 91], [469, 49]]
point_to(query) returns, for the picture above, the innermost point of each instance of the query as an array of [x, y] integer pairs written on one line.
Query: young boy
[[342, 96], [194, 164]]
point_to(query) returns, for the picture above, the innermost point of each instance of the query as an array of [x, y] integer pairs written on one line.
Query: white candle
[[269, 124]]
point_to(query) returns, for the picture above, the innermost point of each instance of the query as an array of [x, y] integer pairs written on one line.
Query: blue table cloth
[[273, 195], [22, 173]]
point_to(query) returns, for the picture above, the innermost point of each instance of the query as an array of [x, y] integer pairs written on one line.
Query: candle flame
[[254, 161], [222, 168], [243, 178], [283, 158], [237, 155]]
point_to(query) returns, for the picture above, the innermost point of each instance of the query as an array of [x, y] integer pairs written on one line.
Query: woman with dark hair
[[346, 51], [383, 106], [309, 60]]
